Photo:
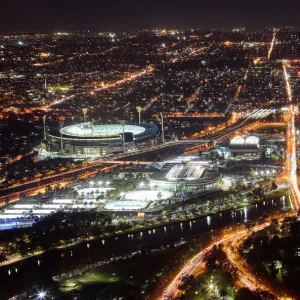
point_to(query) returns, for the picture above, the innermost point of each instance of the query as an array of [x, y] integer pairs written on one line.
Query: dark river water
[[16, 278]]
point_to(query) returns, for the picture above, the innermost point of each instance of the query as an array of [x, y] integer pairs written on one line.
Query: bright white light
[[107, 182], [262, 172], [20, 43], [100, 182], [142, 184], [273, 171], [256, 173], [268, 172], [163, 45], [41, 295], [91, 182], [122, 194]]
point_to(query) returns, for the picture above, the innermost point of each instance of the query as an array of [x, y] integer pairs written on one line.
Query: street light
[[142, 184]]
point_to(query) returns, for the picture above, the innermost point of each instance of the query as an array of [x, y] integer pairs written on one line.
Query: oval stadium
[[98, 140]]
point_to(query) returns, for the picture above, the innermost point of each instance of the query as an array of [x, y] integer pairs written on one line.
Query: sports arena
[[191, 177], [98, 140]]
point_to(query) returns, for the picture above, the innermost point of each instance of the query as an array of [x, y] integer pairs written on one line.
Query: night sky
[[58, 15]]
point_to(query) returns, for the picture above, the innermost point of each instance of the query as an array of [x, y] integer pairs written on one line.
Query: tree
[[263, 155], [274, 185], [2, 258], [246, 294], [223, 293]]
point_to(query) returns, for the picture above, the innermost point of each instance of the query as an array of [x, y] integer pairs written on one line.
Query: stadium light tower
[[122, 122], [84, 111], [45, 84], [162, 127], [61, 124], [139, 109]]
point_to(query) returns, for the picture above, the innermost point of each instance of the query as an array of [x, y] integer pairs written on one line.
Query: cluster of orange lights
[[44, 54], [228, 43]]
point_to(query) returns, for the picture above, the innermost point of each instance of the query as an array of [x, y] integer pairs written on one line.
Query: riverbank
[[155, 225]]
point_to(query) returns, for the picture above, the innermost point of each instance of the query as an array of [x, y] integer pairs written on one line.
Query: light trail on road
[[191, 265], [292, 159], [245, 276], [287, 82], [272, 44], [291, 147]]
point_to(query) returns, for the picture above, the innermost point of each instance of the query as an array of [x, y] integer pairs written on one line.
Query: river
[[16, 278]]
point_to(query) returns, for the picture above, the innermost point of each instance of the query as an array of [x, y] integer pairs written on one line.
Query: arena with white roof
[[190, 177], [239, 145]]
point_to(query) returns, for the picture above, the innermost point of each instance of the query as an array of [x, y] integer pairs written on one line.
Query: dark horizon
[[39, 16]]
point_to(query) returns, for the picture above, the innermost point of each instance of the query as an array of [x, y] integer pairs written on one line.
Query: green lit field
[[136, 276], [60, 88]]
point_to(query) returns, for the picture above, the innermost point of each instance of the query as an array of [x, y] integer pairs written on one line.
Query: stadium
[[191, 177], [98, 140]]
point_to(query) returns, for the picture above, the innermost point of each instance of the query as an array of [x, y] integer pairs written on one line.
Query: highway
[[291, 147], [291, 158]]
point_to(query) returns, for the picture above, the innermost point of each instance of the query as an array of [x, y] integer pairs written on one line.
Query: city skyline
[[43, 16]]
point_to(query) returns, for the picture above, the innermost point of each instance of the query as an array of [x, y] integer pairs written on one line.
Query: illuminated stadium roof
[[98, 131], [181, 172], [186, 173]]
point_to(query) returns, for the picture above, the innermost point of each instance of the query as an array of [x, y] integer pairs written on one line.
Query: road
[[251, 281], [193, 264], [291, 157], [64, 178], [291, 147]]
